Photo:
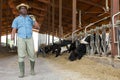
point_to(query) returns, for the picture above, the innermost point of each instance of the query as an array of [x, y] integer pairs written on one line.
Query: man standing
[[23, 24]]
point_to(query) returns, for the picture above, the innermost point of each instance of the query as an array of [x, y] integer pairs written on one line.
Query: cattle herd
[[93, 43], [90, 44]]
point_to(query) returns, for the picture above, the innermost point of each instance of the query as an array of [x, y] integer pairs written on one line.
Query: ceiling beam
[[92, 3], [44, 1]]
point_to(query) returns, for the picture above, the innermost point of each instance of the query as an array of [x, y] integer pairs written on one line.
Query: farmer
[[23, 25]]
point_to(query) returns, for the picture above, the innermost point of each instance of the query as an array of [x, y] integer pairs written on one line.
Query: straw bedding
[[87, 67]]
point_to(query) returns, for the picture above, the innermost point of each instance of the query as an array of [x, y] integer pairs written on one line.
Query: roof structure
[[48, 14]]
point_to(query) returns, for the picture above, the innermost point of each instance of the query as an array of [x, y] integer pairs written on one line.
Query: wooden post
[[6, 37], [49, 23], [80, 18], [60, 20], [46, 38], [0, 20], [114, 9], [53, 19], [8, 9], [74, 11]]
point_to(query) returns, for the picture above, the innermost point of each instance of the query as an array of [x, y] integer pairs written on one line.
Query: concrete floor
[[44, 70]]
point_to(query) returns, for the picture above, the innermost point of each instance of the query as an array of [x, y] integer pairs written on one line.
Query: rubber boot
[[21, 66], [32, 63]]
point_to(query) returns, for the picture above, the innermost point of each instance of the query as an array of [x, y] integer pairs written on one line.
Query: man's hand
[[13, 34], [36, 25]]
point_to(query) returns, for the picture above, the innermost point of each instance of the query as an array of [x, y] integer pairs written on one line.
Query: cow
[[77, 50], [44, 49], [94, 43], [56, 48]]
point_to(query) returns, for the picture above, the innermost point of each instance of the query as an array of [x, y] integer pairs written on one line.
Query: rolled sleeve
[[14, 24]]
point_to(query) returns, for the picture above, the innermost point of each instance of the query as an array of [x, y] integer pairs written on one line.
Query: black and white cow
[[77, 50], [56, 48], [44, 50], [94, 43]]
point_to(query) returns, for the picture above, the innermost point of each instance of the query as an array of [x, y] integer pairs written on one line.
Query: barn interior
[[64, 20]]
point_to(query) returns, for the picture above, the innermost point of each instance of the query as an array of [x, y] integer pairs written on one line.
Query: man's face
[[23, 10]]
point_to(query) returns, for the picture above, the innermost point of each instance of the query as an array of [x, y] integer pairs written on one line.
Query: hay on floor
[[87, 67]]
